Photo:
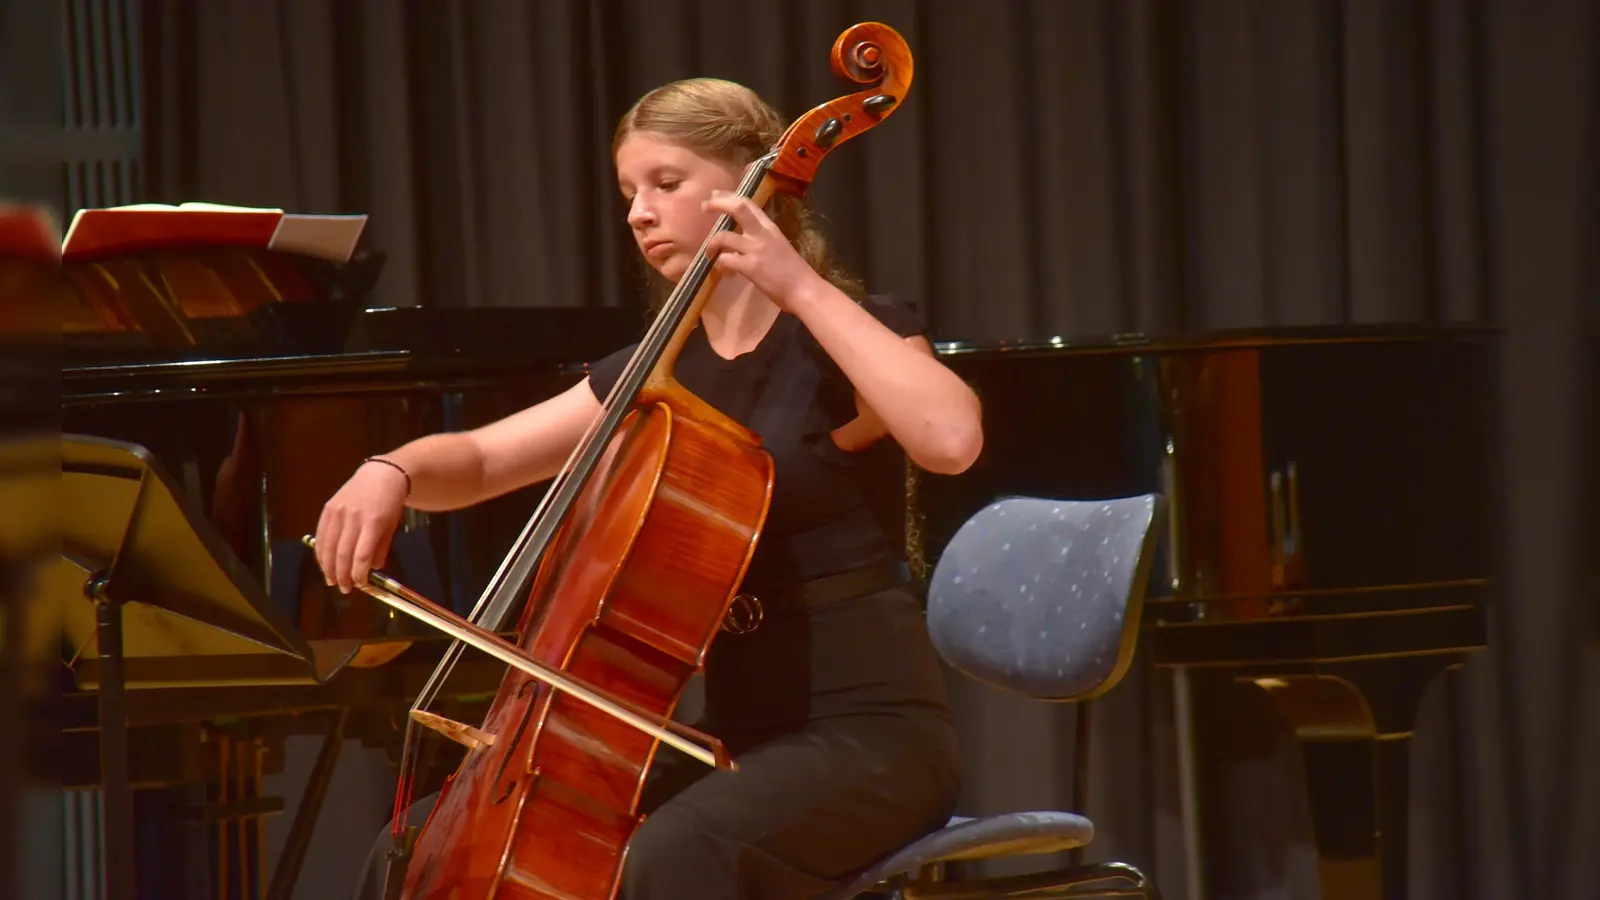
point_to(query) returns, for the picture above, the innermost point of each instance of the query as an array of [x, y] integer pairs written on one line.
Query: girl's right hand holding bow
[[359, 521]]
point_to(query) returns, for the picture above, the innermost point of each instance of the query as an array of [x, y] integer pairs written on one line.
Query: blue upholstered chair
[[1040, 598]]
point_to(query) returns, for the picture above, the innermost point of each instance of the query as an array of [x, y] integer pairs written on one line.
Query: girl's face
[[664, 184]]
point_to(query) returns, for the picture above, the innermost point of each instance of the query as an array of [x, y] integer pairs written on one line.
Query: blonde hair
[[730, 123]]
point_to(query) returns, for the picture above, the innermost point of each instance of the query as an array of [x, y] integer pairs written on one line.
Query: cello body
[[639, 560], [636, 584]]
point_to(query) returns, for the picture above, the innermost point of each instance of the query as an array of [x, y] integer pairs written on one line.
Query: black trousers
[[840, 723]]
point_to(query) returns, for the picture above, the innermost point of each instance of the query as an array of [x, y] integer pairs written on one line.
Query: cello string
[[561, 495], [661, 331]]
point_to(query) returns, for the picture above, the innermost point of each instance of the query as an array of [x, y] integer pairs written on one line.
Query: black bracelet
[[397, 467]]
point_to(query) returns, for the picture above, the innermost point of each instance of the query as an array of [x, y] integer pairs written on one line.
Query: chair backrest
[[1043, 597]]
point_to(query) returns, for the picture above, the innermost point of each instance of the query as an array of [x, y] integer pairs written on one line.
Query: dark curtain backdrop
[[1066, 167]]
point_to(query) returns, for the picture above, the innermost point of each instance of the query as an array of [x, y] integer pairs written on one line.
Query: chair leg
[[1093, 873], [1082, 724]]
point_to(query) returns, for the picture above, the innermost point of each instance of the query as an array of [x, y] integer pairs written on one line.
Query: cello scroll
[[868, 53]]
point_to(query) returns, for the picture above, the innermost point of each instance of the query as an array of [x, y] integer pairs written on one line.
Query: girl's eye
[[669, 185]]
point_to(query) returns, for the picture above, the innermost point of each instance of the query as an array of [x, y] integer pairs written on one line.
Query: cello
[[632, 561]]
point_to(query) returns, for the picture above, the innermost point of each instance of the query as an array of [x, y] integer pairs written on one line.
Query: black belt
[[752, 604]]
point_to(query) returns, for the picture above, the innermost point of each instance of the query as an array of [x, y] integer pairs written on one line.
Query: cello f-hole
[[522, 726]]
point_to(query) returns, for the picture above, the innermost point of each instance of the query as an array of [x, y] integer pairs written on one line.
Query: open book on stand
[[148, 226]]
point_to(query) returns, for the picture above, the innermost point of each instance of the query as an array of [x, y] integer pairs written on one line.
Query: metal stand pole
[[1188, 786], [118, 837]]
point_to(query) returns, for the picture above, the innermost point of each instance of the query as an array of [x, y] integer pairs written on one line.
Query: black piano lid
[[411, 345], [309, 324], [1221, 339], [1383, 433]]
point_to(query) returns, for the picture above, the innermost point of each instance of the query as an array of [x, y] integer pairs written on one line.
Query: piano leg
[[117, 826], [1354, 722]]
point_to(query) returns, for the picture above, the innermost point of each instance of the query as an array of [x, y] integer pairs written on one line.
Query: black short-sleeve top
[[832, 510]]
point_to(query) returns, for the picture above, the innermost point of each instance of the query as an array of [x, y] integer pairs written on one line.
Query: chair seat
[[1010, 834]]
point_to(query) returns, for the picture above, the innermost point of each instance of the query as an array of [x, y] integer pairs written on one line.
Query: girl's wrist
[[389, 463], [810, 297]]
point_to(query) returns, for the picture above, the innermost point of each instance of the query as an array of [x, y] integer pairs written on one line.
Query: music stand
[[172, 606], [30, 476]]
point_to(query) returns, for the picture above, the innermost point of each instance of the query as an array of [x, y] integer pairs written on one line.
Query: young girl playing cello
[[834, 705]]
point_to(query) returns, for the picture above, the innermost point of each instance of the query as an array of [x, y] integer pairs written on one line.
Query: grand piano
[[248, 383], [1333, 529]]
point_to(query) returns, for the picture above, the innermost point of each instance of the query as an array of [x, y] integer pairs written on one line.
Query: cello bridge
[[460, 732]]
